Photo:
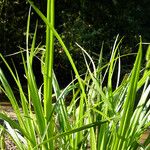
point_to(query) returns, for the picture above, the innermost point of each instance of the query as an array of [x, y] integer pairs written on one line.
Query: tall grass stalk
[[48, 67], [100, 115]]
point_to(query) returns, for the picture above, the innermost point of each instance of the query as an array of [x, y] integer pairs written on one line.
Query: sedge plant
[[99, 116], [36, 121], [126, 119]]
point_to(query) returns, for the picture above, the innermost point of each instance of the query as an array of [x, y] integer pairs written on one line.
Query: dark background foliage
[[87, 22]]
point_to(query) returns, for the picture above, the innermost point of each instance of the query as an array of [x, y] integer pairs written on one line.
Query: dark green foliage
[[12, 25], [91, 22], [88, 23], [13, 19]]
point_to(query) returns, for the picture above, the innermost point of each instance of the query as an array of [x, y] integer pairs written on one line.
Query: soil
[[8, 143]]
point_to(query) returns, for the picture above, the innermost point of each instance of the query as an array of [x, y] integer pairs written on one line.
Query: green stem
[[48, 69]]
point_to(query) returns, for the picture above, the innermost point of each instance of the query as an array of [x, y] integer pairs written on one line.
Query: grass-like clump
[[99, 116]]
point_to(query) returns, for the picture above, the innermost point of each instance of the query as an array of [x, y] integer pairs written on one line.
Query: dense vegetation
[[106, 111]]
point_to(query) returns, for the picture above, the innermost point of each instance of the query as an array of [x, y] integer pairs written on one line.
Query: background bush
[[88, 23]]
